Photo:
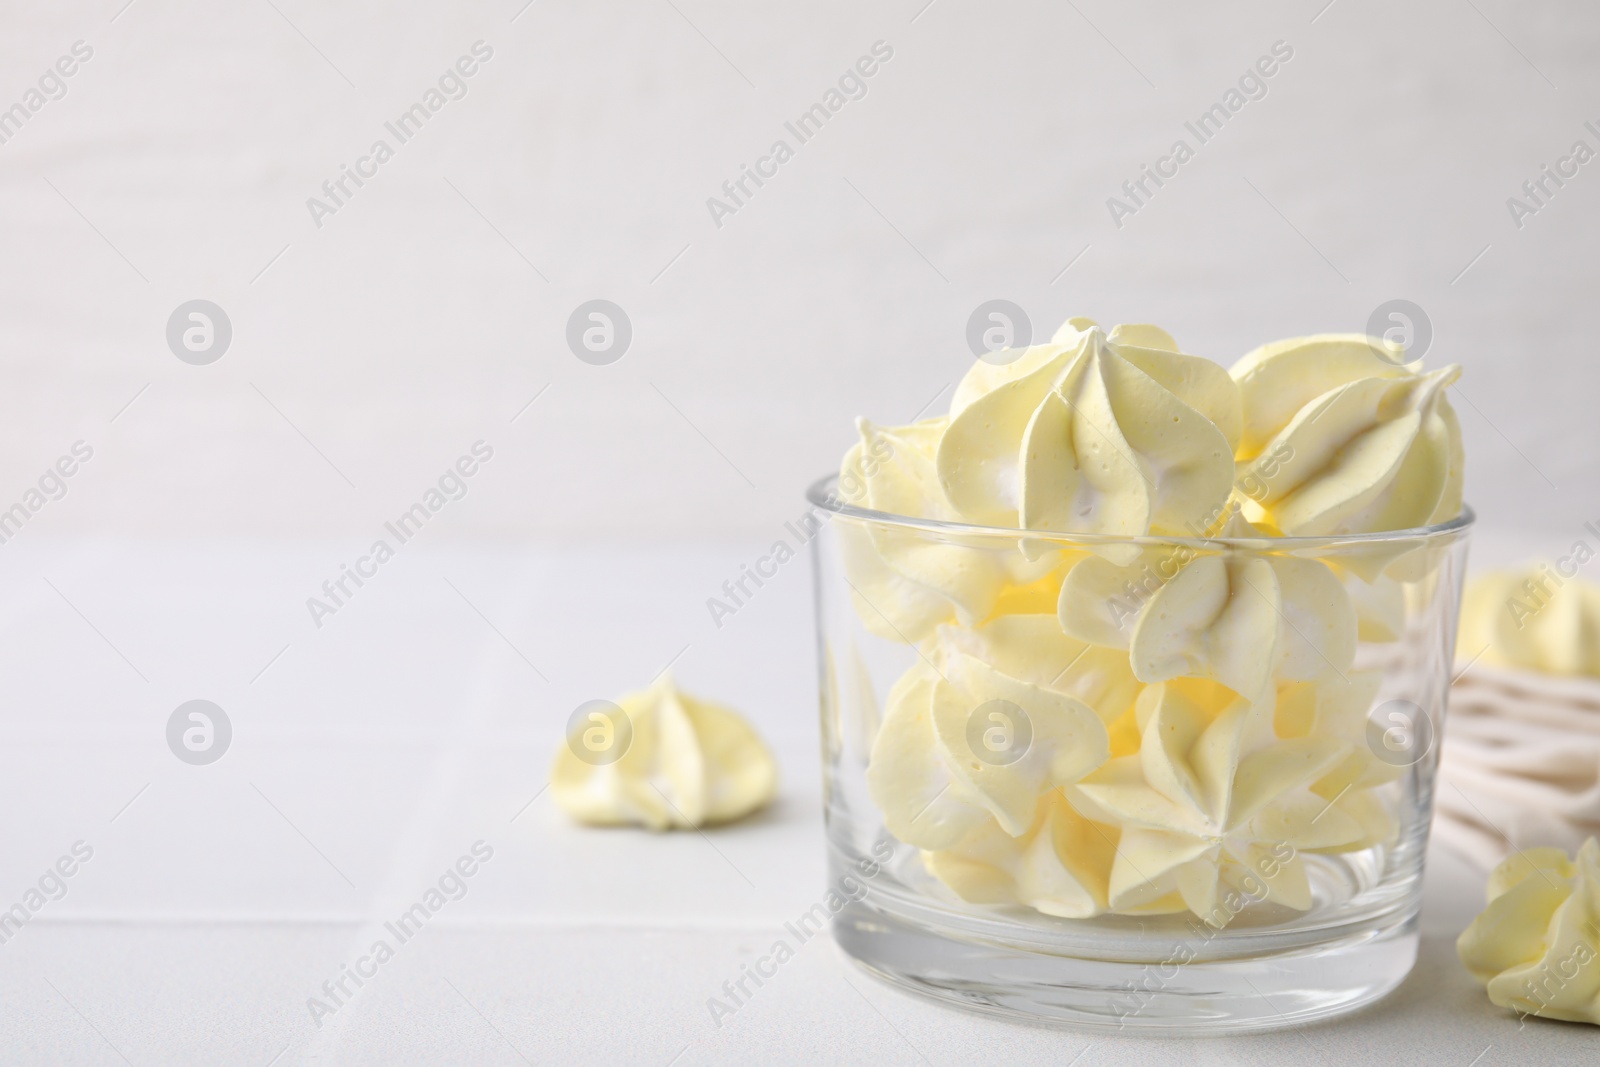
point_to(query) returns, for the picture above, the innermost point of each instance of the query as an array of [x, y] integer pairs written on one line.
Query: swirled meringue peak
[[684, 763], [1243, 617], [1280, 378], [1059, 867], [1113, 433], [1213, 797], [906, 581], [963, 741], [1340, 438]]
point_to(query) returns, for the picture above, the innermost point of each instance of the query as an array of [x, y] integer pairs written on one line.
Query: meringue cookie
[[1532, 617], [1213, 798], [1534, 946], [1379, 603], [1033, 648], [689, 763], [1240, 618], [1061, 866], [1379, 448], [1094, 433], [926, 775], [1337, 709], [907, 581], [1278, 379]]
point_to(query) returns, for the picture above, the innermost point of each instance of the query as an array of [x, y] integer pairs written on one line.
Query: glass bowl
[[1171, 784]]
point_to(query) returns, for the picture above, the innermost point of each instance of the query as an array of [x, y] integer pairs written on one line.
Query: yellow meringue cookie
[[1535, 946], [906, 581], [929, 772], [1337, 709], [1213, 798], [688, 763], [1328, 707], [1061, 866], [1377, 447], [1532, 617], [1033, 648], [1097, 433], [1278, 379], [1240, 618], [1379, 603]]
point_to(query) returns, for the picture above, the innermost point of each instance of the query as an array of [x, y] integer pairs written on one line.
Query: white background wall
[[978, 165]]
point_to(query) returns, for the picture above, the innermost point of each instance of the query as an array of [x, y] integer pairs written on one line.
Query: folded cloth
[[1520, 764]]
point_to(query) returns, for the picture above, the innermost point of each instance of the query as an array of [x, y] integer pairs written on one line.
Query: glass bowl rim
[[820, 494]]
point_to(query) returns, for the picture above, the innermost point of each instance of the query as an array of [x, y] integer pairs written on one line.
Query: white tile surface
[[406, 730]]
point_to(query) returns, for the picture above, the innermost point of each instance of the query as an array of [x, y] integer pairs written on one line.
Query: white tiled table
[[374, 752]]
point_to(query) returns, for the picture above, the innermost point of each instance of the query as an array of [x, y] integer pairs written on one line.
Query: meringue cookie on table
[[1340, 440], [1100, 433], [1534, 618], [1535, 945], [688, 763]]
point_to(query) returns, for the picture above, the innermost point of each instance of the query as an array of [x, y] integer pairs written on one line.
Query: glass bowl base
[[1196, 998]]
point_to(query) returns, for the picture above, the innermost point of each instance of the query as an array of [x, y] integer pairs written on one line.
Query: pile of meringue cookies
[[1170, 730], [1111, 726]]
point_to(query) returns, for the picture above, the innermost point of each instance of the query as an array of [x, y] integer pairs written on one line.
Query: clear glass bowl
[[1193, 860]]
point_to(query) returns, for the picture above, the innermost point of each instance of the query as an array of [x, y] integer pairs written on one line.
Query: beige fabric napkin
[[1520, 765]]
